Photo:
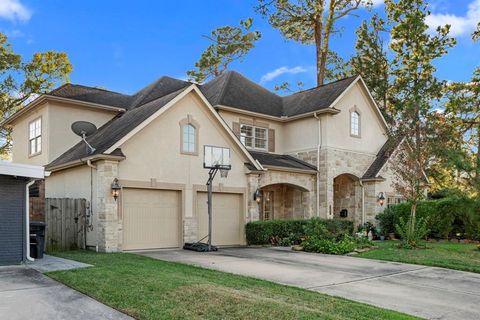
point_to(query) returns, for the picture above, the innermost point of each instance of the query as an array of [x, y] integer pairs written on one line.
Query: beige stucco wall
[[301, 135], [20, 134], [78, 183], [154, 153], [372, 132], [57, 136], [61, 117]]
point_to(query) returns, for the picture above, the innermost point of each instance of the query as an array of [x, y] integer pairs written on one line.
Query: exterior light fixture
[[115, 189], [381, 198], [257, 196]]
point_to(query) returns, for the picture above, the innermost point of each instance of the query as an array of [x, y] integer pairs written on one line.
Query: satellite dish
[[84, 129]]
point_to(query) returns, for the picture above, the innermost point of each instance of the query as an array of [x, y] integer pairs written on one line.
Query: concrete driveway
[[27, 294], [433, 293]]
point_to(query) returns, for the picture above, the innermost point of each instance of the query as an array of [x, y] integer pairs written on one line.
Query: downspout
[[319, 146], [89, 163], [27, 218], [363, 201]]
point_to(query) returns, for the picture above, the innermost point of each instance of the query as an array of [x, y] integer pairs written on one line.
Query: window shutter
[[236, 129], [271, 140]]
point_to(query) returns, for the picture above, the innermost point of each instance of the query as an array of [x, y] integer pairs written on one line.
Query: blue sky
[[124, 45]]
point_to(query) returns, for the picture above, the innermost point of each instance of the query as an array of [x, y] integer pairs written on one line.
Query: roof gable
[[117, 131]]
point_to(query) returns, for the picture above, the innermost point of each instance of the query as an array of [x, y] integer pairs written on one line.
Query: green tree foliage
[[310, 22], [21, 80], [414, 91], [371, 61], [476, 33], [463, 111], [228, 44]]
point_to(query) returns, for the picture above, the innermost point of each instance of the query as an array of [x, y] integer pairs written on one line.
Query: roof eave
[[46, 97], [276, 118], [81, 161], [287, 169]]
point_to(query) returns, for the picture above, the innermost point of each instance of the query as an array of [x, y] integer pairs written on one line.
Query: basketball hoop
[[223, 173]]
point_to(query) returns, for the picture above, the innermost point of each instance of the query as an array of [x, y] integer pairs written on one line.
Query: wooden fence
[[65, 220]]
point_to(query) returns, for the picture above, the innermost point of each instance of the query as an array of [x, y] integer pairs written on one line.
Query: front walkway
[[433, 293], [26, 293]]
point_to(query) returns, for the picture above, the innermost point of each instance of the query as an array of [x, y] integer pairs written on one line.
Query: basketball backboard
[[216, 157]]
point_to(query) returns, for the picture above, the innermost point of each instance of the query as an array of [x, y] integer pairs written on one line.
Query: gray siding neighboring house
[[14, 179], [12, 220]]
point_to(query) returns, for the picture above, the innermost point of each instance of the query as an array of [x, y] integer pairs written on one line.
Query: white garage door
[[151, 219], [227, 224]]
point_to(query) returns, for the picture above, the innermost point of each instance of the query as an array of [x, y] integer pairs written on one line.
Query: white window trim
[[30, 153], [254, 137], [351, 111]]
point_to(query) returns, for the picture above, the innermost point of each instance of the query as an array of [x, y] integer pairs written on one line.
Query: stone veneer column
[[253, 208], [326, 175], [370, 202], [109, 226]]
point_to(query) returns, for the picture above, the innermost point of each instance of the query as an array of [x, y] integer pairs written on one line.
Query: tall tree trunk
[[322, 63], [318, 50], [318, 29]]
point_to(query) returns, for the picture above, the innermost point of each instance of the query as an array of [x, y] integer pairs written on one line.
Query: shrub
[[274, 231], [412, 232], [262, 232], [330, 246], [446, 217]]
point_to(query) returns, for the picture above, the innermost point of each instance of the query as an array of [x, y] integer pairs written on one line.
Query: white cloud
[[13, 10], [377, 3], [269, 76], [459, 25]]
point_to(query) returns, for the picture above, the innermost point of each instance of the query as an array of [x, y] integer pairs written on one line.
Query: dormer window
[[354, 123], [254, 137], [35, 136]]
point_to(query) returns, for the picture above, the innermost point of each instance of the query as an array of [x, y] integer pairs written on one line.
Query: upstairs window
[[188, 139], [254, 137], [354, 124], [35, 136]]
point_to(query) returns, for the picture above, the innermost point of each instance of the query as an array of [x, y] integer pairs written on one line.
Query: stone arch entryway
[[283, 201], [347, 198]]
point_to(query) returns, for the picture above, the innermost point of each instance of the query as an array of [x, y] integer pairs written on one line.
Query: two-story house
[[320, 152]]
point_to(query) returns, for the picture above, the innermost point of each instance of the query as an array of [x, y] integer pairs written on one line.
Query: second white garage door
[[151, 219], [227, 221]]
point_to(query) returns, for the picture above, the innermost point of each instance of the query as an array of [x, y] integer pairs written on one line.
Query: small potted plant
[[379, 233]]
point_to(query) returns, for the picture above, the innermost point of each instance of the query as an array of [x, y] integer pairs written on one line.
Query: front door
[[267, 205]]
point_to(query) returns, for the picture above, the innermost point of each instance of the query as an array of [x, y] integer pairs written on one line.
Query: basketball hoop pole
[[211, 176]]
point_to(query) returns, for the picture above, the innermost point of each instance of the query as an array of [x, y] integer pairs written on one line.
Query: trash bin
[[37, 239]]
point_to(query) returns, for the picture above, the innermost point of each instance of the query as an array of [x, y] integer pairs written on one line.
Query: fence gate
[[65, 220]]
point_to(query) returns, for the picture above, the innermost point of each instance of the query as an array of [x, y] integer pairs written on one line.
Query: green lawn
[[465, 257], [151, 289]]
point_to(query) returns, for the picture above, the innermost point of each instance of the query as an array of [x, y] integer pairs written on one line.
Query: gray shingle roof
[[93, 95], [382, 157], [111, 132], [234, 90], [281, 160], [230, 89]]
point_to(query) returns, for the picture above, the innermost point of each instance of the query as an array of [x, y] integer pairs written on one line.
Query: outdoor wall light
[[381, 198], [257, 196], [115, 189]]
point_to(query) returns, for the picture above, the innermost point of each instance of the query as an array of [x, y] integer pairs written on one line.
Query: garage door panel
[[151, 219], [227, 218]]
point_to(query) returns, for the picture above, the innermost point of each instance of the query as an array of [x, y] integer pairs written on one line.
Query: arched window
[[355, 123], [189, 137]]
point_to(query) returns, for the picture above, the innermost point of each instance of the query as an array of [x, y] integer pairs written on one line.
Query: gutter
[[86, 160]]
